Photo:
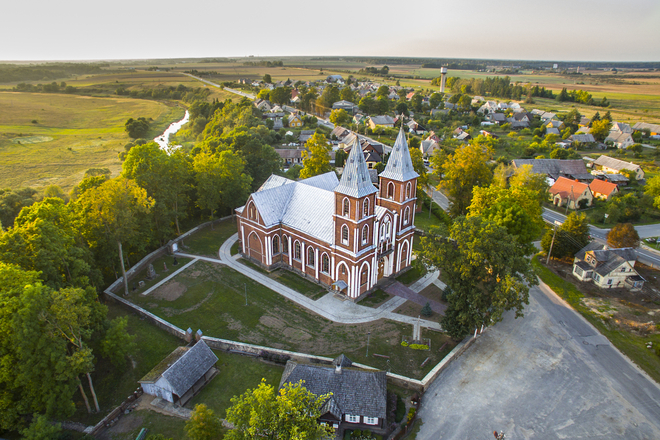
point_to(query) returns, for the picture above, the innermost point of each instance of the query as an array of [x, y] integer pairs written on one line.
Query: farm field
[[48, 139]]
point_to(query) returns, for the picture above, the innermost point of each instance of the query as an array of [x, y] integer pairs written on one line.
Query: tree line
[[48, 71]]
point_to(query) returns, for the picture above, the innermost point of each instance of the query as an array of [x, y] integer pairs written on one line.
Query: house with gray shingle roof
[[179, 376], [615, 166], [359, 397], [607, 268]]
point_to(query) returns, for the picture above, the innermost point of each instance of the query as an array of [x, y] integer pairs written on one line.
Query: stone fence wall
[[159, 253]]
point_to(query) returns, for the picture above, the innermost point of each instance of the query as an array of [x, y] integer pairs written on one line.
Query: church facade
[[345, 233]]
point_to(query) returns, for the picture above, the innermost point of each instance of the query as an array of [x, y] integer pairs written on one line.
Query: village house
[[181, 375], [554, 168], [290, 156], [653, 129], [380, 121], [358, 397], [428, 147], [607, 268], [346, 105], [615, 166], [344, 234], [295, 121], [621, 127], [602, 189], [575, 194], [619, 139]]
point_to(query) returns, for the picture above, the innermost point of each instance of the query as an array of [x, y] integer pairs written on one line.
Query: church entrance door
[[254, 247]]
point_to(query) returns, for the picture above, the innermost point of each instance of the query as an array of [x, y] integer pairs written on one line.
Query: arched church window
[[344, 234], [347, 208], [325, 263], [276, 245], [285, 245], [365, 207], [390, 190], [310, 256]]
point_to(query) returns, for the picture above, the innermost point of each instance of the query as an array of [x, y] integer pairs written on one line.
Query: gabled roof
[[399, 165], [289, 205], [354, 391], [382, 120], [616, 164], [606, 259], [646, 126], [617, 136], [554, 167], [355, 180], [274, 181], [584, 138], [187, 368], [602, 187], [568, 188]]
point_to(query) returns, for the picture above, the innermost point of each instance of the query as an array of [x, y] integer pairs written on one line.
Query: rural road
[[549, 375], [644, 256]]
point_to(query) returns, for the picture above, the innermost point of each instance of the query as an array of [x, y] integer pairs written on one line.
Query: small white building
[[607, 268], [179, 376]]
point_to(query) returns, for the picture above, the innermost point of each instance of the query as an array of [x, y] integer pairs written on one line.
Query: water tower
[[443, 81]]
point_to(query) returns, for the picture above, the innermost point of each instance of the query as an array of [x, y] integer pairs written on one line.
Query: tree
[[636, 148], [288, 414], [460, 172], [280, 95], [559, 153], [382, 91], [402, 108], [329, 96], [435, 99], [12, 201], [368, 105], [263, 94], [419, 167], [347, 94], [517, 209], [316, 156], [117, 343], [487, 270], [203, 424], [136, 128], [45, 238], [416, 102], [267, 79], [42, 429], [426, 310], [652, 189], [220, 181], [600, 129], [340, 158], [623, 235], [524, 177], [113, 208], [55, 191], [571, 236], [340, 117]]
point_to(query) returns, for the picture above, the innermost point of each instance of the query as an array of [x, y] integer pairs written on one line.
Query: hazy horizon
[[516, 30]]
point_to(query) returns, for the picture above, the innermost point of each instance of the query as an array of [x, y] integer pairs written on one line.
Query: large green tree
[[220, 181], [112, 209], [340, 117], [316, 157], [203, 424], [280, 95], [487, 270], [45, 238], [571, 236], [460, 172], [525, 177], [290, 414], [623, 235], [517, 209]]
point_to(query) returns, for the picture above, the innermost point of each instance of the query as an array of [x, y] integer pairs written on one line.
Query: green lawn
[[290, 279], [213, 300], [207, 241], [161, 273], [415, 273], [376, 298], [630, 344], [155, 423], [236, 375], [424, 221]]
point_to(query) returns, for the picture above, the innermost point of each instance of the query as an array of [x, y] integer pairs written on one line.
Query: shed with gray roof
[[179, 376]]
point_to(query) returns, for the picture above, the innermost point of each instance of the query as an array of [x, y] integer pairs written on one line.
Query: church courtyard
[[211, 297]]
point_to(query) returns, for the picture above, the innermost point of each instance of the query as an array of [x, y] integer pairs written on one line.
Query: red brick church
[[345, 233]]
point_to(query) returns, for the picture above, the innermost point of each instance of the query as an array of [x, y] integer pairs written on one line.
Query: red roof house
[[576, 194]]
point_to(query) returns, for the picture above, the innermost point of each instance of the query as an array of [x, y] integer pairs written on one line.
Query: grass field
[[70, 134], [212, 298]]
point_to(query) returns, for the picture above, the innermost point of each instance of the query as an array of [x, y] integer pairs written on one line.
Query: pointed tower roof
[[355, 180], [399, 165]]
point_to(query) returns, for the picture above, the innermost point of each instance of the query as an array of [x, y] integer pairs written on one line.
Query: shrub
[[426, 310], [419, 346], [404, 343], [411, 415]]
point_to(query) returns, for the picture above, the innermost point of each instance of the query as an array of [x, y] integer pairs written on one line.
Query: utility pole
[[368, 336], [552, 243]]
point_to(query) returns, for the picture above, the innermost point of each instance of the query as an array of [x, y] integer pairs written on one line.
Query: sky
[[559, 30]]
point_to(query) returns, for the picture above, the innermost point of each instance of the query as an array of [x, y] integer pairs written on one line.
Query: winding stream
[[164, 138]]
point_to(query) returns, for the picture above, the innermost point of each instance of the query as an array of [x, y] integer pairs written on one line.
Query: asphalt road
[[549, 375], [645, 256]]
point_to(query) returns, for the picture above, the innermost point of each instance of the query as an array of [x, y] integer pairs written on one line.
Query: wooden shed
[[181, 375]]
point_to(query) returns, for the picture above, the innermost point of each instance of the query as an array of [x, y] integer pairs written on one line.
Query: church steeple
[[355, 180], [399, 165]]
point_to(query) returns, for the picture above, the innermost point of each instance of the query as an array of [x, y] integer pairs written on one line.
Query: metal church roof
[[399, 165], [355, 180]]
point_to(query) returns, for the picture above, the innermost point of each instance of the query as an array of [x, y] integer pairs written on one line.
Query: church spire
[[399, 165], [355, 180]]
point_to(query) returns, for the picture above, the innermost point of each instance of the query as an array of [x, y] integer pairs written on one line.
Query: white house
[[610, 165], [619, 139], [607, 268], [179, 376]]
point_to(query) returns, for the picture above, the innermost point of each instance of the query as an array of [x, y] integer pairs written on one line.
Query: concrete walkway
[[398, 289], [329, 306]]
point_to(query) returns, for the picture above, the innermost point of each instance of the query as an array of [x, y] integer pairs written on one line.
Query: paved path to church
[[329, 306], [398, 289]]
